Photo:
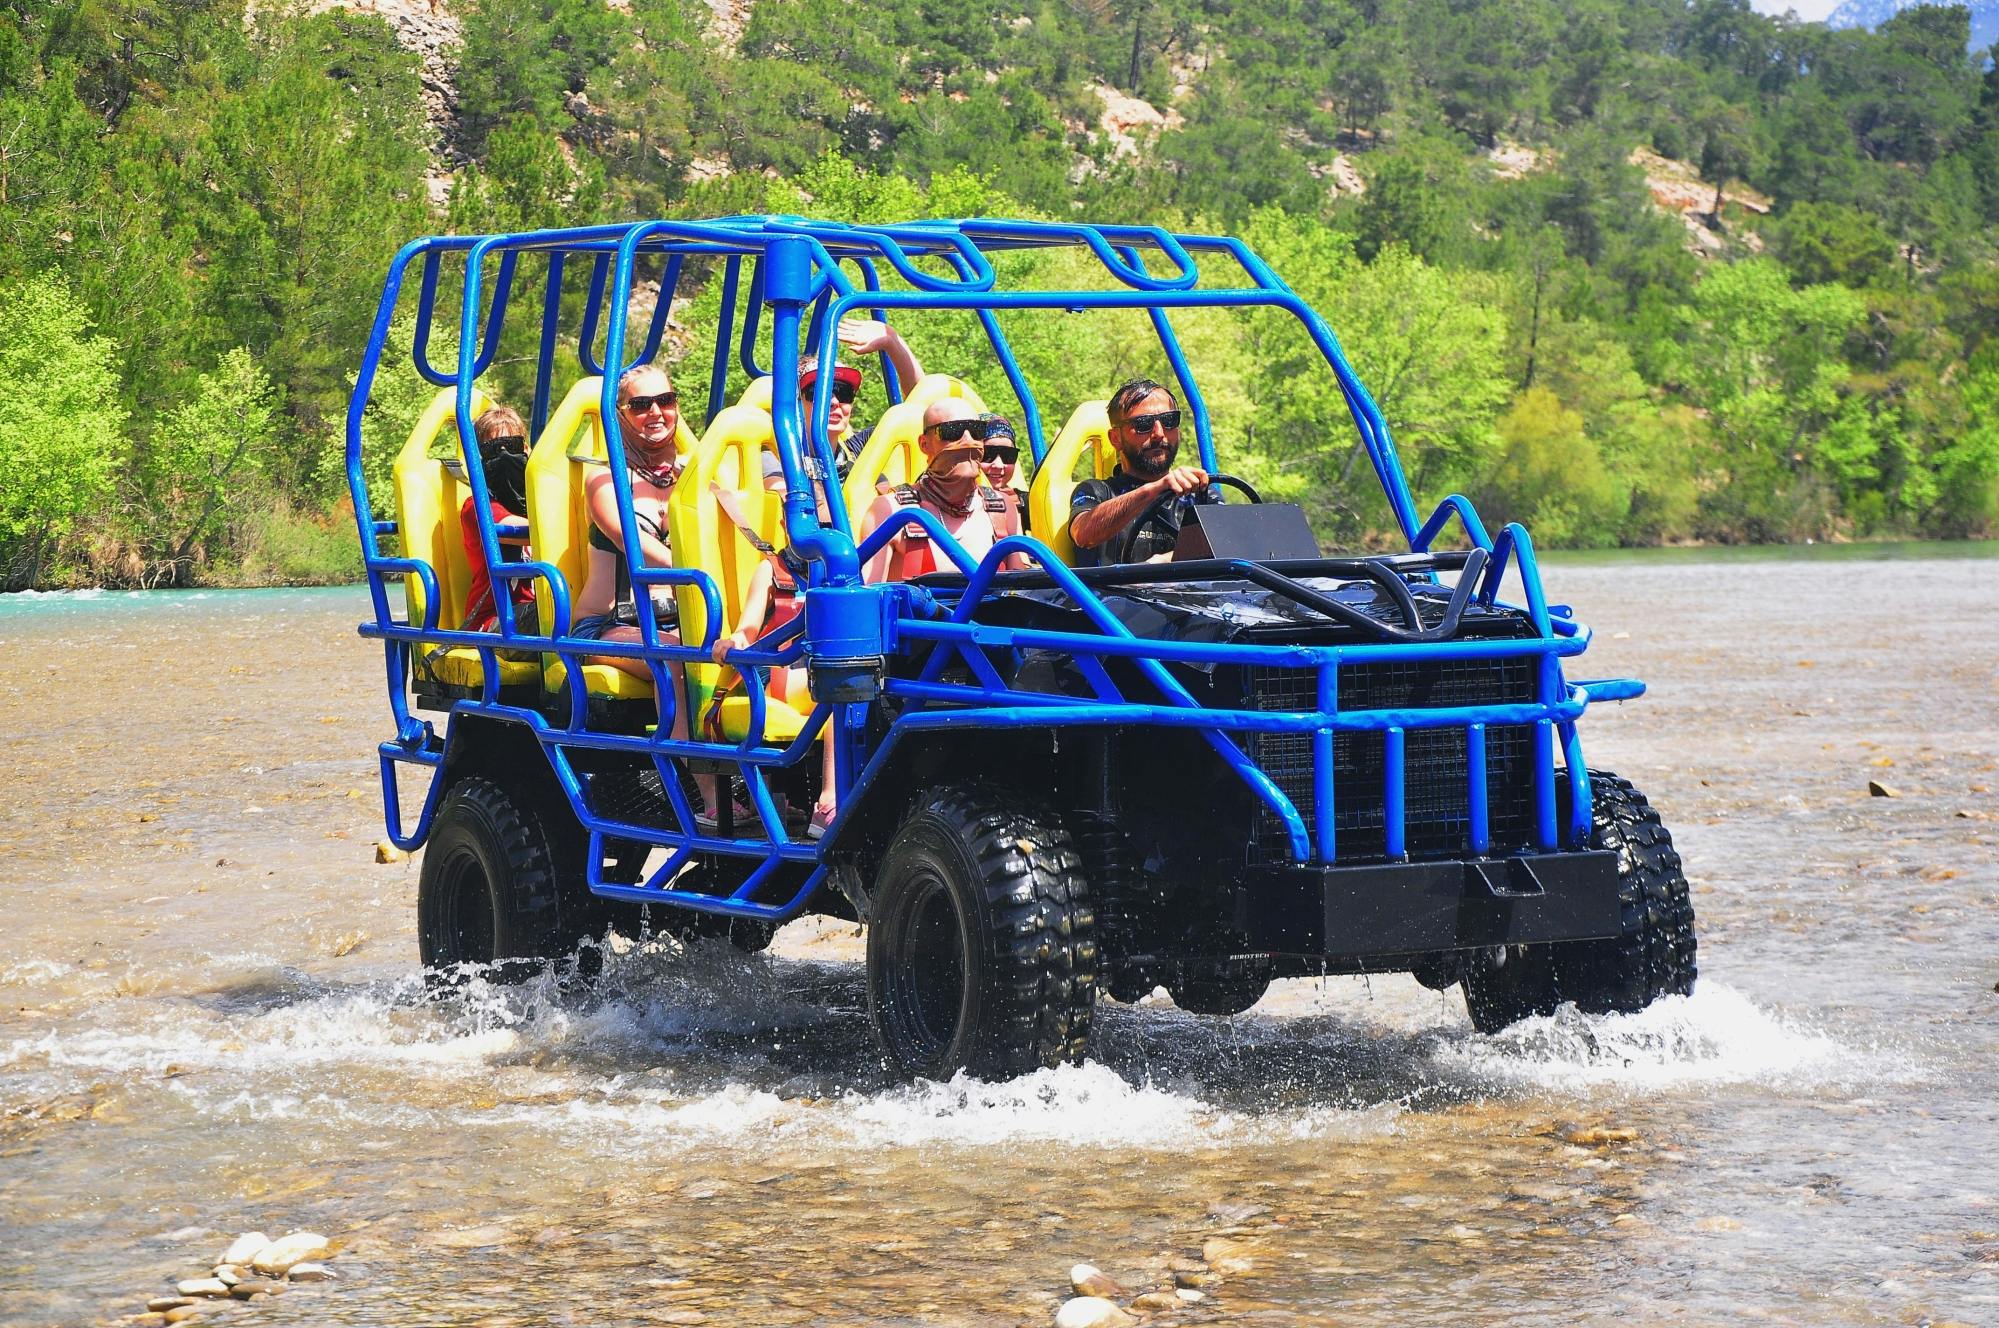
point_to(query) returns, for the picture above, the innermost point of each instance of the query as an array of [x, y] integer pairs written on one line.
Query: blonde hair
[[499, 422]]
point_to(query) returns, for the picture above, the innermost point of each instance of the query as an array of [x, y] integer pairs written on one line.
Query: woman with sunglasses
[[1001, 464], [1122, 519], [952, 489]]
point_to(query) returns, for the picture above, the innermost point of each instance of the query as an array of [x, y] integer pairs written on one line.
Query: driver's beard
[[1136, 463]]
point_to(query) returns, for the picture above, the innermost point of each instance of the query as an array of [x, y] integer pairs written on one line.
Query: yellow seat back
[[427, 501], [559, 519], [756, 396], [892, 454], [729, 456], [1088, 431]]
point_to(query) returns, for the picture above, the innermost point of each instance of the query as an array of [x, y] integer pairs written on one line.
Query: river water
[[211, 1020]]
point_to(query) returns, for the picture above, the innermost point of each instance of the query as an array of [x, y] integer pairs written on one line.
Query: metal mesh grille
[[1438, 816]]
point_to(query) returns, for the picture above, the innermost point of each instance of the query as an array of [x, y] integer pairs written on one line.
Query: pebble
[[386, 852], [277, 1258], [1876, 789], [311, 1272], [203, 1286], [1154, 1301], [1191, 1278], [1231, 1213], [228, 1273], [257, 1286], [1091, 1312], [1225, 1256], [1189, 1296], [1089, 1280], [1599, 1135], [245, 1247], [185, 1313], [161, 1304]]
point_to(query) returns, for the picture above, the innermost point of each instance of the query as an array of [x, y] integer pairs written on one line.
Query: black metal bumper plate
[[1402, 908]]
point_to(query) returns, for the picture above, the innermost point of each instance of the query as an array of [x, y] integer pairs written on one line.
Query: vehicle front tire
[[982, 949], [1653, 954], [491, 890]]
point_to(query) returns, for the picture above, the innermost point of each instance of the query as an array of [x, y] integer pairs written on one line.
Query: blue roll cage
[[797, 267]]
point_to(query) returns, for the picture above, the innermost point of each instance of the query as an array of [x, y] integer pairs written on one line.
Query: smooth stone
[[1226, 1256], [1091, 1312], [186, 1312], [1237, 1212], [311, 1272], [1189, 1296], [161, 1304], [228, 1273], [150, 1319], [1089, 1280], [386, 853], [277, 1258], [1876, 789], [245, 1247], [1195, 1277], [257, 1286], [1154, 1301], [203, 1286]]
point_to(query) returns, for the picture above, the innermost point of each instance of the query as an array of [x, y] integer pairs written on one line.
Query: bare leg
[[677, 679]]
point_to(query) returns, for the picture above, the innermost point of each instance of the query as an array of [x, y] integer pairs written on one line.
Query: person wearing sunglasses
[[858, 336], [503, 454], [605, 609], [951, 488], [1122, 519], [1002, 464]]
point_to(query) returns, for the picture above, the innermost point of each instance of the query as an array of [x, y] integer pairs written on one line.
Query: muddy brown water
[[211, 1020]]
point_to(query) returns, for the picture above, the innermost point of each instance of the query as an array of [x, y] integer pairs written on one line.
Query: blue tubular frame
[[796, 268]]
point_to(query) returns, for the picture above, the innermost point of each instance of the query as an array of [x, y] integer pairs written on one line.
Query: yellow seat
[[892, 454], [1054, 482], [428, 498], [756, 396], [559, 523], [728, 457]]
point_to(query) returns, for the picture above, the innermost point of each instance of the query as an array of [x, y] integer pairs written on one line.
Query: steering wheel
[[1169, 497]]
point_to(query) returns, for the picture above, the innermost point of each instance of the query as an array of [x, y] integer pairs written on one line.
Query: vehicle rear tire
[[491, 892], [1227, 987], [1652, 955], [982, 950]]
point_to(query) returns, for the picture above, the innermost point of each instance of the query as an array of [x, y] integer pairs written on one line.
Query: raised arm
[[869, 336]]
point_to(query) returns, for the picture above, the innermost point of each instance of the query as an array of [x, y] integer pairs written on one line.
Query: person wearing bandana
[[503, 456], [952, 488]]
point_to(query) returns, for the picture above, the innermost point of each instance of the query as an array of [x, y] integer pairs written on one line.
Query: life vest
[[919, 555]]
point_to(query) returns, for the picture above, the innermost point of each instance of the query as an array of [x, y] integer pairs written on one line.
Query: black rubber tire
[[1120, 899], [1221, 988], [1655, 951], [1652, 956], [982, 950], [491, 892]]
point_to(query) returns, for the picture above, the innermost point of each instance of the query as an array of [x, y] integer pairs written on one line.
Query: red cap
[[842, 373]]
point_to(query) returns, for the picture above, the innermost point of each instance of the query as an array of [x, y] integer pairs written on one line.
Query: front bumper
[[1381, 910]]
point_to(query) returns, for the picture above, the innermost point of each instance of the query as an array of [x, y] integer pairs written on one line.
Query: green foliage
[[208, 191], [207, 457], [61, 427]]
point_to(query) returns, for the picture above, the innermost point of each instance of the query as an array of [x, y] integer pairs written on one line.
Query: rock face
[[1125, 117]]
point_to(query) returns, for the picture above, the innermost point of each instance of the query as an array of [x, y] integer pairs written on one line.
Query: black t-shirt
[[845, 453], [1147, 536]]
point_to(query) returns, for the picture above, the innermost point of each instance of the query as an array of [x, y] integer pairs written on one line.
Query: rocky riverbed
[[211, 1023]]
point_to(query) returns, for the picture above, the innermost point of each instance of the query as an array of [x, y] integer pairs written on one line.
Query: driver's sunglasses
[[1001, 453], [512, 442], [1141, 425], [640, 405], [950, 431], [843, 393]]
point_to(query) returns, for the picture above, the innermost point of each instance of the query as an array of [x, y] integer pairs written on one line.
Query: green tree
[[1823, 242], [61, 427], [202, 466]]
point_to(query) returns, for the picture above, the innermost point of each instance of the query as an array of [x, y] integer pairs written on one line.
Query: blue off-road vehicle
[[1250, 762]]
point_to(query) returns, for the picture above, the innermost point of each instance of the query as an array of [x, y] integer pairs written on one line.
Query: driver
[[1135, 516]]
